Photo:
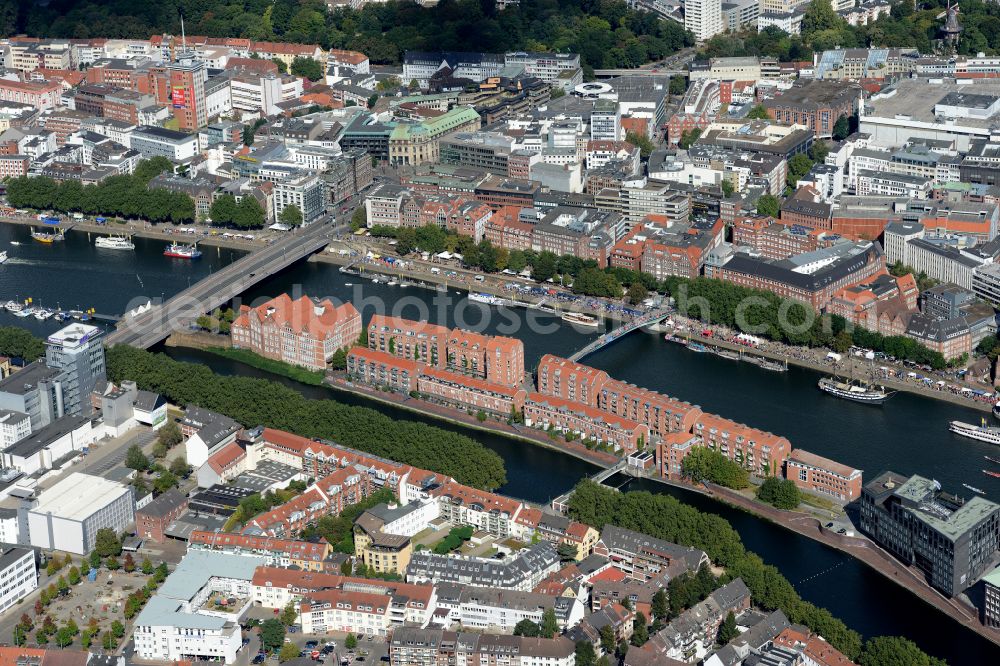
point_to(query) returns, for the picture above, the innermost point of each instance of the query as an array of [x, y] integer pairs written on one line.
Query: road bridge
[[617, 334], [178, 312], [612, 73]]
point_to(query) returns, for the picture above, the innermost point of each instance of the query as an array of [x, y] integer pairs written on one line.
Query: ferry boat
[[580, 319], [973, 489], [182, 251], [3, 256], [488, 299], [114, 243], [995, 475], [45, 237], [981, 433], [869, 395]]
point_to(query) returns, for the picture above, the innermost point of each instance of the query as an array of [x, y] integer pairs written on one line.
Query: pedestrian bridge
[[654, 317]]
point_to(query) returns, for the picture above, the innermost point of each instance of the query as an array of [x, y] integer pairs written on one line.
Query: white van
[[436, 271]]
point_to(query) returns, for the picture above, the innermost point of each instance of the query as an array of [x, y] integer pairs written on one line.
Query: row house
[[465, 392], [353, 612], [531, 523], [382, 369], [661, 413], [505, 229], [328, 496], [562, 378], [585, 422], [759, 452], [415, 340], [643, 558], [414, 646], [304, 555]]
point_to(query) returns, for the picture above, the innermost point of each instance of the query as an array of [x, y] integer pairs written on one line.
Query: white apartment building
[[304, 192], [14, 426], [68, 515], [18, 576], [383, 206], [546, 66], [256, 94], [181, 621], [353, 612], [161, 142], [703, 18]]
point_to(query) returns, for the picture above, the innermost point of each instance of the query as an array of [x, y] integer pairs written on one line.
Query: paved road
[[219, 288]]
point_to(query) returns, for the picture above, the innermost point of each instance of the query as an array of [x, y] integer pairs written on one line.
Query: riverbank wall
[[858, 547]]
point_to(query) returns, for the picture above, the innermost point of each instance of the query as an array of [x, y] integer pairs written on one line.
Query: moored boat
[[980, 433], [13, 306], [179, 251], [488, 299], [992, 460], [114, 243], [580, 319], [996, 409], [995, 475], [697, 347], [45, 237], [973, 489], [866, 394]]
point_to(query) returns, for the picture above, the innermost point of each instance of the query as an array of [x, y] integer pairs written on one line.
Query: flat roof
[[78, 495], [37, 441]]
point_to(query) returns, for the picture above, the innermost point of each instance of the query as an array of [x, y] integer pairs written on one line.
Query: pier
[[177, 313], [617, 334]]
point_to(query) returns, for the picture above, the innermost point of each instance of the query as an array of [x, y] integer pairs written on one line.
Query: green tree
[[359, 219], [282, 66], [642, 142], [169, 435], [842, 128], [372, 99], [659, 605], [819, 16], [895, 651], [678, 85], [249, 213], [567, 551], [147, 566], [106, 543], [18, 343], [550, 625], [640, 631], [179, 467], [165, 481], [136, 459], [526, 628], [689, 137], [782, 493], [585, 655], [704, 464], [727, 187], [288, 652], [108, 641], [117, 629], [798, 166], [637, 293], [64, 637], [272, 634], [768, 205], [74, 576], [289, 614], [727, 630], [223, 211], [351, 642], [291, 215], [758, 112], [308, 68], [607, 639], [818, 151], [112, 563]]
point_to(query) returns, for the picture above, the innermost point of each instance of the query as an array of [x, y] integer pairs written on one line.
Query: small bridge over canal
[[648, 319]]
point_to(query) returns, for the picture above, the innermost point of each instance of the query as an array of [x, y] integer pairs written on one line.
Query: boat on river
[[973, 489], [864, 393], [46, 237], [992, 460], [697, 347], [3, 256], [114, 243], [178, 251], [488, 299], [580, 319], [980, 433], [995, 475]]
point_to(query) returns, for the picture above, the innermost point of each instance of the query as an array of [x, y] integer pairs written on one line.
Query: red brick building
[[585, 422], [382, 369], [151, 520], [817, 104], [821, 475], [306, 333], [759, 452], [457, 390]]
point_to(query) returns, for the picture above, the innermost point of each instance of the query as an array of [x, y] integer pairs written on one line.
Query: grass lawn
[[314, 377]]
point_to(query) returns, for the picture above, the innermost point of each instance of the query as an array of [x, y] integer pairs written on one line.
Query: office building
[[950, 539], [34, 390], [305, 192], [14, 426], [68, 515], [151, 141], [18, 575], [78, 353], [186, 78], [821, 475]]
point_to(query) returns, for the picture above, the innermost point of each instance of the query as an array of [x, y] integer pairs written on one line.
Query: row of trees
[[665, 517], [605, 33], [125, 196], [768, 315], [259, 401], [245, 214]]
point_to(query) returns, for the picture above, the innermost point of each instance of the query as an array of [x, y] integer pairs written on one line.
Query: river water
[[909, 434]]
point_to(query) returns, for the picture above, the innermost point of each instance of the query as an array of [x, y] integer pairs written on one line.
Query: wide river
[[909, 434]]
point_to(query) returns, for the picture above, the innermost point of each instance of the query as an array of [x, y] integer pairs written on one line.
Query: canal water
[[909, 434]]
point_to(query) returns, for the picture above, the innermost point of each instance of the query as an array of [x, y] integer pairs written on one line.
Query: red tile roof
[[303, 550], [226, 457], [320, 319]]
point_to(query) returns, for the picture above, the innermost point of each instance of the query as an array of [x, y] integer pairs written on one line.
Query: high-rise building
[[186, 78], [703, 18], [76, 351]]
